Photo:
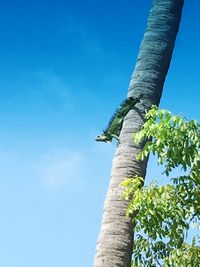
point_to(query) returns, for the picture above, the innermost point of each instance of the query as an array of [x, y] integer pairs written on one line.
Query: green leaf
[[165, 213]]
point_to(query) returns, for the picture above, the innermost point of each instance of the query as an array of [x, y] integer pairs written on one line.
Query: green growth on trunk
[[165, 213]]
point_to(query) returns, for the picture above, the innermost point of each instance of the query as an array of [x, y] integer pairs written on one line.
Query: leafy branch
[[164, 213]]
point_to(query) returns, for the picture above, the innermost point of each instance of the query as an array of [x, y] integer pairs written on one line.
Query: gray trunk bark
[[114, 246]]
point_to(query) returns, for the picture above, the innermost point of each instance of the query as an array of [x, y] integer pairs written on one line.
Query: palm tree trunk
[[114, 246]]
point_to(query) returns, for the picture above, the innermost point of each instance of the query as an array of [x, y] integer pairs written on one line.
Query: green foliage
[[164, 214]]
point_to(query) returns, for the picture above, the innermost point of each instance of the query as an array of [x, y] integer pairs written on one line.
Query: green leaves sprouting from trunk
[[165, 213]]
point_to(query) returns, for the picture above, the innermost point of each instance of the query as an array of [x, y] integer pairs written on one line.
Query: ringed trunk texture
[[114, 246]]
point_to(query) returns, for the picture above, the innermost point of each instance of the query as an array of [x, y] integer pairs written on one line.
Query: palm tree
[[114, 246]]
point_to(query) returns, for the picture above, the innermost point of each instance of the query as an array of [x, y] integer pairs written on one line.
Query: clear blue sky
[[64, 67]]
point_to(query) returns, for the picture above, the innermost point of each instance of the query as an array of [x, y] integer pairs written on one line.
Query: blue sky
[[64, 67]]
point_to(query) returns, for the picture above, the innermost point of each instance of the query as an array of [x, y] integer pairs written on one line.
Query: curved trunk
[[114, 246]]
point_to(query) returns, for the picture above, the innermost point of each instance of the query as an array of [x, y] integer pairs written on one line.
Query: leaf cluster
[[164, 214]]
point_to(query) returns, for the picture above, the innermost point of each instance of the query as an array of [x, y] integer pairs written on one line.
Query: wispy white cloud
[[37, 93], [44, 86], [60, 168], [57, 168], [72, 169]]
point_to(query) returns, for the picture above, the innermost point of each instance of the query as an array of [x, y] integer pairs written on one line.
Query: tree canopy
[[165, 213]]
